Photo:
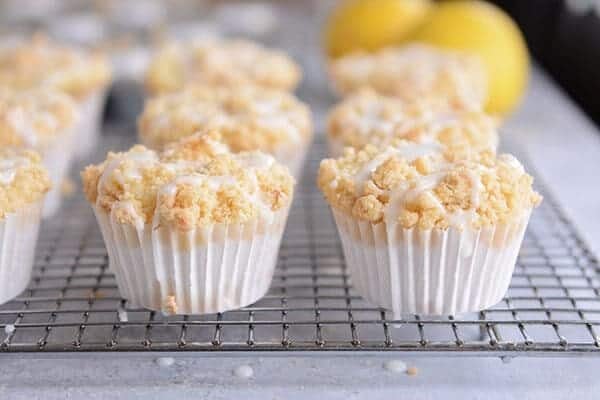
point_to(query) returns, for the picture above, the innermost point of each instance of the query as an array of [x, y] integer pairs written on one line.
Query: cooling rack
[[72, 303]]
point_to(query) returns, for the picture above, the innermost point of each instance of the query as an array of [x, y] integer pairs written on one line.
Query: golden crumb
[[248, 118], [193, 183], [41, 62], [170, 305], [23, 179], [220, 62], [367, 117], [416, 185], [414, 72], [35, 117], [412, 371]]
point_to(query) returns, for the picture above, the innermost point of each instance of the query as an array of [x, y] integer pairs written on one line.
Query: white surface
[[214, 377], [564, 146]]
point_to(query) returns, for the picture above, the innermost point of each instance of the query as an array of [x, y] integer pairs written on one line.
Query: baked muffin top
[[35, 117], [367, 117], [219, 62], [414, 72], [194, 183], [23, 179], [41, 62], [248, 118], [416, 185]]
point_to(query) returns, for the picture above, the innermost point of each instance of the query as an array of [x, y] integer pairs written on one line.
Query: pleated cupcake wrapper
[[57, 159], [18, 236], [90, 122], [206, 270], [430, 272]]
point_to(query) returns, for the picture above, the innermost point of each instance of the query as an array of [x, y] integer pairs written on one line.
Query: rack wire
[[73, 305]]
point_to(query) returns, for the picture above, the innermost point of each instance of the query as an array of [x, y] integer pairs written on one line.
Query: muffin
[[414, 72], [85, 76], [220, 62], [248, 118], [367, 117], [194, 229], [427, 232], [23, 185], [42, 119]]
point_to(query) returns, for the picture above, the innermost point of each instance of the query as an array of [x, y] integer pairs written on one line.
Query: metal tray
[[73, 305]]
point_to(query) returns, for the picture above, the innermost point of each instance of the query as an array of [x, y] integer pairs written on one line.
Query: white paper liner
[[18, 236], [57, 159], [204, 271], [89, 127], [430, 272]]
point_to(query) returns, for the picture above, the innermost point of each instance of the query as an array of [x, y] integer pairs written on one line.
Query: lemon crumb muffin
[[249, 118], [195, 207], [367, 117], [414, 72], [217, 62], [445, 230], [23, 185], [41, 119], [83, 75]]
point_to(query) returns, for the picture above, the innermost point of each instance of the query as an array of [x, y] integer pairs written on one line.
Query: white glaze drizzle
[[408, 152], [9, 168]]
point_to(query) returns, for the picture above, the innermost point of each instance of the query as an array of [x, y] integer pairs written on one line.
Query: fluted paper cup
[[18, 236], [57, 159], [430, 272], [89, 128], [203, 271]]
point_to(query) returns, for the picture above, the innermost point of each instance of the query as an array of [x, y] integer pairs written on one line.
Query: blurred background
[[562, 36]]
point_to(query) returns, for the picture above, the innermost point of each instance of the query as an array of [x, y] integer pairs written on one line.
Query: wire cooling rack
[[72, 303]]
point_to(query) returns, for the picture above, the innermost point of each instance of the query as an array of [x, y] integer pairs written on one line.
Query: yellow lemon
[[372, 24], [487, 31]]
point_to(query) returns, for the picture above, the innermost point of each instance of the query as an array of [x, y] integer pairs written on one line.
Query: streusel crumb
[[414, 72], [220, 62], [416, 186], [367, 117], [23, 179], [194, 183], [41, 62], [249, 118], [35, 117]]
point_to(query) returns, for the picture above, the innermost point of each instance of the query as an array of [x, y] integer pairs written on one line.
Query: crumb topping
[[416, 185], [249, 118], [232, 62], [23, 179], [35, 117], [368, 117], [194, 183], [41, 62], [414, 72]]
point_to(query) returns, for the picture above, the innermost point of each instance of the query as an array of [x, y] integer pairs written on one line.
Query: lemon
[[372, 24], [487, 31]]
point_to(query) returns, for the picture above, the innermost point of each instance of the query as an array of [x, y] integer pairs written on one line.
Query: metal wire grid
[[72, 303]]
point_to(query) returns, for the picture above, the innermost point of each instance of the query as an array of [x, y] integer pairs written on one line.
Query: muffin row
[[192, 218], [431, 219], [51, 99]]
